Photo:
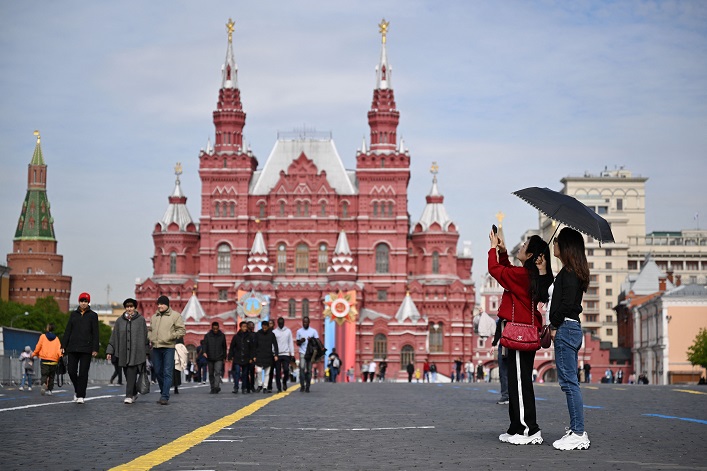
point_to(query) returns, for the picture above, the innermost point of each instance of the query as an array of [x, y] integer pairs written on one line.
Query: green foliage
[[45, 311], [697, 352]]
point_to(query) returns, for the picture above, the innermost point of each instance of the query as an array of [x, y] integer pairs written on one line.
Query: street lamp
[[17, 317]]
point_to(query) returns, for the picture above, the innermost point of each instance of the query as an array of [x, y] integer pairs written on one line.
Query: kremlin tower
[[35, 266]]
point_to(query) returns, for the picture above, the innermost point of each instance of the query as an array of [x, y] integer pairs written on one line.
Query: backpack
[[315, 350], [336, 362]]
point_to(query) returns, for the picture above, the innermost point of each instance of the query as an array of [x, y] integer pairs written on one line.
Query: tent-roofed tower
[[35, 266]]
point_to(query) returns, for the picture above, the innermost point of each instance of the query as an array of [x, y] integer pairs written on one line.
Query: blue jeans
[[163, 364], [568, 341]]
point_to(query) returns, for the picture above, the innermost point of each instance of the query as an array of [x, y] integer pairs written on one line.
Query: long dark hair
[[538, 287], [573, 256]]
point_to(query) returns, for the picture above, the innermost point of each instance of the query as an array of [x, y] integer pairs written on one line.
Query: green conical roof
[[37, 157], [36, 222]]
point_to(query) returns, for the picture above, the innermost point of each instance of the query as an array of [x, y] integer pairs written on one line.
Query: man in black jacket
[[266, 352], [80, 343], [214, 348], [241, 353]]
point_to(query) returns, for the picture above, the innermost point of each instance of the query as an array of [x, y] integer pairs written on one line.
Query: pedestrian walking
[[523, 287], [469, 369], [364, 371], [266, 354], [372, 370], [334, 365], [458, 363], [410, 371], [241, 353], [215, 352], [305, 333], [128, 346], [426, 371], [251, 366], [166, 326], [502, 354], [570, 284], [382, 369], [80, 344], [48, 350], [286, 347], [27, 368], [433, 371]]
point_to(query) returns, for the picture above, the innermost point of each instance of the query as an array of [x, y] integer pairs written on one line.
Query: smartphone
[[494, 228]]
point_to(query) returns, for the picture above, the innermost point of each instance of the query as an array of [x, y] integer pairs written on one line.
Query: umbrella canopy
[[568, 211]]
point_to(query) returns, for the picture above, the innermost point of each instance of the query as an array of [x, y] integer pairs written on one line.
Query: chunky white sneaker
[[29, 388], [48, 393], [79, 400], [128, 400], [572, 441], [504, 437], [534, 439], [76, 399], [43, 390]]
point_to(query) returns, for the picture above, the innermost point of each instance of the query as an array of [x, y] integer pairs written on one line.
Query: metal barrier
[[11, 371]]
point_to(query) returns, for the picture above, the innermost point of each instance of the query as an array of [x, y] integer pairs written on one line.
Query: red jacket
[[516, 295]]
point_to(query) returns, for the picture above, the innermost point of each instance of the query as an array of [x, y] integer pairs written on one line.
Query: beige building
[[663, 329], [619, 197]]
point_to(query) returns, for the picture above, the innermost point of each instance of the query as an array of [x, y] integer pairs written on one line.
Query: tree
[[697, 352]]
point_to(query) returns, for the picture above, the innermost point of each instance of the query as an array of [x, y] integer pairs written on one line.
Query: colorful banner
[[341, 307]]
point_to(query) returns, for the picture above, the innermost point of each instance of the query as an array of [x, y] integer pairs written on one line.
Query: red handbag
[[521, 337]]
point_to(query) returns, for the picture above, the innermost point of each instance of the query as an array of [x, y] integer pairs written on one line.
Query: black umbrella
[[568, 211]]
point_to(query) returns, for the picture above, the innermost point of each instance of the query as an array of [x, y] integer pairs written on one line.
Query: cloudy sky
[[503, 95]]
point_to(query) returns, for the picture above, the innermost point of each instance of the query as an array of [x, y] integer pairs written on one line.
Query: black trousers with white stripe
[[521, 407]]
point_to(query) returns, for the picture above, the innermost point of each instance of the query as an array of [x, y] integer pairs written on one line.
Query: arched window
[[436, 336], [302, 259], [382, 162], [281, 258], [306, 208], [323, 209], [375, 208], [223, 261], [261, 208], [322, 259], [407, 356], [291, 308], [435, 262], [380, 346], [305, 308], [390, 209], [282, 208], [233, 210], [298, 207], [382, 258], [217, 209], [344, 209], [225, 162], [173, 263]]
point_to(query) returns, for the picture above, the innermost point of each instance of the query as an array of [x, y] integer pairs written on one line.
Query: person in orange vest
[[48, 350]]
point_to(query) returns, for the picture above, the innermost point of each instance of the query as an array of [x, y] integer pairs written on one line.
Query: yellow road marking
[[183, 443], [689, 391]]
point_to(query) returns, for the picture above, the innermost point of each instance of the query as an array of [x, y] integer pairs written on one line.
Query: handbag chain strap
[[513, 311]]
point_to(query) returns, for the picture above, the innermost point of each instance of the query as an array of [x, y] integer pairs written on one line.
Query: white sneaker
[[43, 390], [128, 400], [535, 439], [572, 441], [76, 399], [79, 400], [29, 389], [22, 388], [504, 437], [48, 393]]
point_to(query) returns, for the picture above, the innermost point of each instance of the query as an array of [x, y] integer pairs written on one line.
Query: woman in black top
[[570, 284]]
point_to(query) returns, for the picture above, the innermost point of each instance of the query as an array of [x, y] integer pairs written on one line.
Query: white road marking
[[30, 406]]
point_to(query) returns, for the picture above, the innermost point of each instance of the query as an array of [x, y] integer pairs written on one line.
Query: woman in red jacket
[[523, 288]]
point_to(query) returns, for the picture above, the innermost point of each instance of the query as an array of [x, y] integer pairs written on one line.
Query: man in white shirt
[[286, 347], [372, 370], [305, 367]]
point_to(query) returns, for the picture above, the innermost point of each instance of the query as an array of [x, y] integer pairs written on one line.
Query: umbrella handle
[[553, 234]]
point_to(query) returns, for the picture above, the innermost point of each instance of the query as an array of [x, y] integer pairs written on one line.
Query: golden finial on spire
[[499, 217], [36, 133], [383, 28], [229, 27], [434, 169], [178, 169]]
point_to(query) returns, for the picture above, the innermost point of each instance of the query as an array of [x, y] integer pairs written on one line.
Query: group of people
[[524, 288]]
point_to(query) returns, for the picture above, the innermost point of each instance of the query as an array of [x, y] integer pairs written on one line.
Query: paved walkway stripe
[[687, 419], [183, 443], [690, 391]]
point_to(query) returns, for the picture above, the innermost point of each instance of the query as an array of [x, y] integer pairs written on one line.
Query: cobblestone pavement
[[374, 426]]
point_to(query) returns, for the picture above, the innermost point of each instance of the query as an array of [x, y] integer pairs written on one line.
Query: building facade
[[35, 266], [287, 238]]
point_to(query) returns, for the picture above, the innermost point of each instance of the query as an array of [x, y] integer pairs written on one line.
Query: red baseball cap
[[85, 296]]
